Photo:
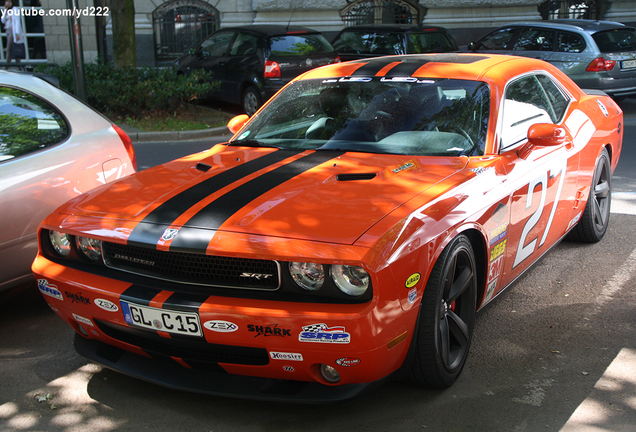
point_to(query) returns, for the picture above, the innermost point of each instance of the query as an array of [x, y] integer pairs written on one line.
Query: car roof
[[492, 68], [396, 28], [273, 29], [588, 26]]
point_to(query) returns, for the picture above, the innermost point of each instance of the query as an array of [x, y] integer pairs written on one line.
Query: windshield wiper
[[253, 143]]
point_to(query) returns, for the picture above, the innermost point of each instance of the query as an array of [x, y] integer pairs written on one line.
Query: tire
[[251, 101], [447, 317], [595, 219]]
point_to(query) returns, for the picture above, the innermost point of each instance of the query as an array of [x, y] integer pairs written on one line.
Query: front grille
[[190, 268], [194, 351]]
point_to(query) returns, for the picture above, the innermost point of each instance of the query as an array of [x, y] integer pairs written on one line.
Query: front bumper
[[269, 355], [214, 382]]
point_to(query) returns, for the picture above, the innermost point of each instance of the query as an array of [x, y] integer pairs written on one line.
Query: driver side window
[[526, 103], [216, 45]]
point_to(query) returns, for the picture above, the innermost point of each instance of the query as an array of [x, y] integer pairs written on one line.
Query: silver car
[[594, 54], [52, 148]]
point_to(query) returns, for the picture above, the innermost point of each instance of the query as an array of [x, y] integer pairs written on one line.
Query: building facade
[[167, 28]]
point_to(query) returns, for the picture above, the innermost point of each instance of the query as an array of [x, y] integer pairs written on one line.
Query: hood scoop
[[354, 177], [203, 167]]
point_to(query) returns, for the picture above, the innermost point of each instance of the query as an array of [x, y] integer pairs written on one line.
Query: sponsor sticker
[[49, 289], [268, 330], [348, 361], [495, 269], [498, 233], [82, 320], [498, 250], [288, 368], [490, 291], [77, 298], [106, 305], [412, 295], [275, 355], [412, 280], [575, 220], [602, 107], [321, 333], [220, 326]]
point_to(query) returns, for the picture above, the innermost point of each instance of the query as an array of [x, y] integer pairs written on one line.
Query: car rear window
[[430, 42], [299, 45], [618, 40], [27, 124]]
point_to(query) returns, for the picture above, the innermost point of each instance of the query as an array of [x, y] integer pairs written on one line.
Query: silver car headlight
[[309, 276], [90, 248], [351, 280], [61, 243]]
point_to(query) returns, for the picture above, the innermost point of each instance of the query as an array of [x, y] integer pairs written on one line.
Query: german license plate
[[187, 323], [629, 64]]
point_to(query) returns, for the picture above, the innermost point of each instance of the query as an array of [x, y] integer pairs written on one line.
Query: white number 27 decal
[[524, 252]]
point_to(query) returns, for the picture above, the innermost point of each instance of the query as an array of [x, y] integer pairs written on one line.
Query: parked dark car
[[254, 62], [595, 54], [364, 41]]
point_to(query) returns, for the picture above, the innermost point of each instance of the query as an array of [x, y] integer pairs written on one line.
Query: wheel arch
[[478, 243]]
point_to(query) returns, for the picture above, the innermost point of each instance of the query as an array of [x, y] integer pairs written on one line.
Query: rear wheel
[[251, 100], [595, 219], [447, 317]]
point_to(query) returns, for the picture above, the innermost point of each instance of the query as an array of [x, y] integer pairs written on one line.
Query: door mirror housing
[[237, 123], [543, 135]]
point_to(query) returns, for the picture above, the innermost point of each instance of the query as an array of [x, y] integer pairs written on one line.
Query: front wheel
[[251, 100], [595, 219], [447, 317]]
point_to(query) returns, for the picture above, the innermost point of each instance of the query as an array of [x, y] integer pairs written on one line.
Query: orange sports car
[[346, 234]]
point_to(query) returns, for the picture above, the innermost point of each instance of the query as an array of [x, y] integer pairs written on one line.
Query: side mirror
[[543, 135], [237, 123]]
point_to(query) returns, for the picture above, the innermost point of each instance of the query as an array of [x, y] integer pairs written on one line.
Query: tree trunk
[[124, 47]]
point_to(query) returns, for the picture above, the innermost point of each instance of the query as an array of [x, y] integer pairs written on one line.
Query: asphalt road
[[555, 352]]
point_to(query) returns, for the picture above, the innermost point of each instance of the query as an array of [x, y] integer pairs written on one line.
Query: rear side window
[[369, 43], [430, 42], [497, 40], [570, 43], [535, 39], [27, 124], [298, 45], [618, 40]]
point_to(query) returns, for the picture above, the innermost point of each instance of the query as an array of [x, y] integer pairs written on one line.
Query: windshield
[[406, 116], [299, 45]]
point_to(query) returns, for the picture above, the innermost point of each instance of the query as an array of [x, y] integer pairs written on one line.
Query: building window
[[572, 9], [33, 25], [382, 12], [180, 25]]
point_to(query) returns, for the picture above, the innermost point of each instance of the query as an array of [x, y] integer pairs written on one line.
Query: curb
[[140, 137]]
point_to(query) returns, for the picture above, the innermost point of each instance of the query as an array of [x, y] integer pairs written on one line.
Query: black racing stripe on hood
[[151, 228], [212, 216], [139, 294]]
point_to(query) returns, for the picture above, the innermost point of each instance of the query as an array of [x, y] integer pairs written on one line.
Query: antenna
[[290, 17]]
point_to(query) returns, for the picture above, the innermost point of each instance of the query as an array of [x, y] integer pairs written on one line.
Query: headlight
[[61, 243], [309, 276], [91, 248], [351, 280]]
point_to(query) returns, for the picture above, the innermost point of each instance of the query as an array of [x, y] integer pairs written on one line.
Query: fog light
[[329, 374]]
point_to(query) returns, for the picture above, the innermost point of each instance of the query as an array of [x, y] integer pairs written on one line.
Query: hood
[[323, 196]]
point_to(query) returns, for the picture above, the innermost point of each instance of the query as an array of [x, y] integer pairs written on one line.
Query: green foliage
[[134, 92]]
